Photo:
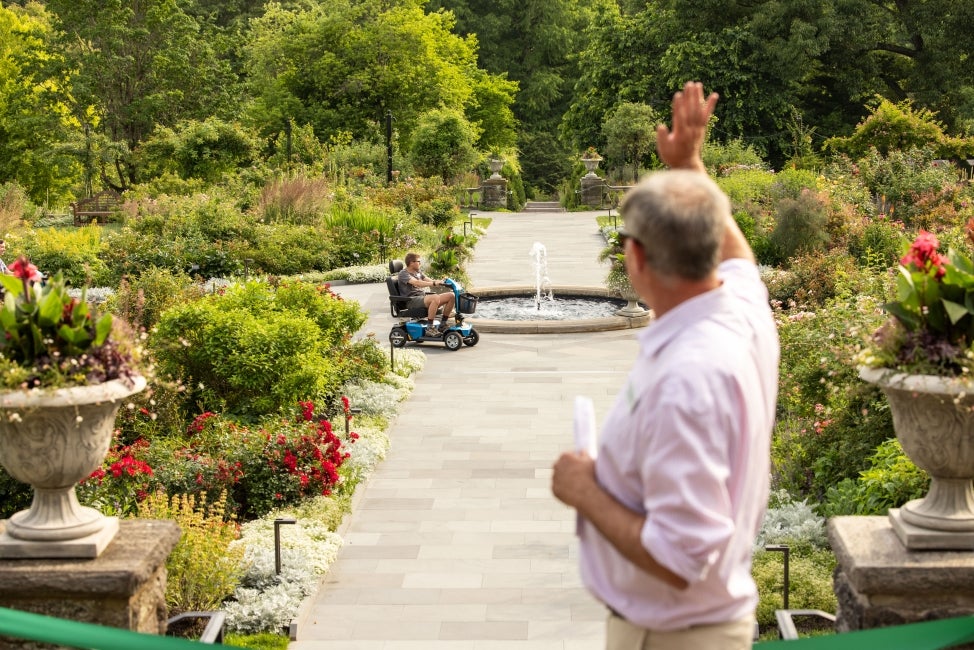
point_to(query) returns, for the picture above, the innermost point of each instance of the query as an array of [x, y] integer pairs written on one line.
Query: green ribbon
[[930, 635], [84, 636]]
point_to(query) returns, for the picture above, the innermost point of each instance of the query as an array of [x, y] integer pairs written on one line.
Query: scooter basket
[[468, 303]]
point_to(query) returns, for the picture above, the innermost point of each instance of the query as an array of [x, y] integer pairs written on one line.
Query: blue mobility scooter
[[412, 328]]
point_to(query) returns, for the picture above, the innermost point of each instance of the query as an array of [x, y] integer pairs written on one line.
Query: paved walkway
[[456, 541]]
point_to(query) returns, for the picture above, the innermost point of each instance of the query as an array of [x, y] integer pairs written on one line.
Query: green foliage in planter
[[891, 480], [142, 299], [202, 569], [257, 349], [75, 252], [810, 577], [829, 421]]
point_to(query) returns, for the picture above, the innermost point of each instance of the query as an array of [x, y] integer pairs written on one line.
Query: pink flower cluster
[[923, 255]]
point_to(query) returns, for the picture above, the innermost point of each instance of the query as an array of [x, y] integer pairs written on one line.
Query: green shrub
[[730, 156], [438, 212], [901, 177], [442, 144], [891, 480], [203, 569], [876, 243], [286, 249], [257, 349], [816, 277], [792, 183], [810, 581], [75, 253], [800, 225]]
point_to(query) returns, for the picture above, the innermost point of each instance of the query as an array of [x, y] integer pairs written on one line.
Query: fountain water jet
[[542, 284]]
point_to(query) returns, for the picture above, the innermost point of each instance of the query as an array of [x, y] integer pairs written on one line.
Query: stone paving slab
[[456, 541]]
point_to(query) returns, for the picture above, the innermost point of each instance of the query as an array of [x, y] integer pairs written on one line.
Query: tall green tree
[[630, 134], [32, 122], [343, 66], [133, 65]]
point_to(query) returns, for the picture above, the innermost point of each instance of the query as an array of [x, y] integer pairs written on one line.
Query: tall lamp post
[[389, 119]]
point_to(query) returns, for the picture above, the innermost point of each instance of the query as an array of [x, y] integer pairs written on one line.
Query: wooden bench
[[98, 207]]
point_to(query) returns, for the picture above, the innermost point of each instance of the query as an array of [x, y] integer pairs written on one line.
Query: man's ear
[[638, 255]]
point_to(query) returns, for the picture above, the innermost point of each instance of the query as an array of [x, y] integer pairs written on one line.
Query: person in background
[[3, 251], [669, 510], [413, 283]]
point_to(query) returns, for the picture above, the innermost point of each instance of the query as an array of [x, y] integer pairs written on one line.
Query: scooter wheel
[[453, 341], [472, 338], [398, 337]]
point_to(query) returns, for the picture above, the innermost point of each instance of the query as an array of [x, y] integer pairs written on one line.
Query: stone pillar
[[495, 192], [124, 587], [592, 186], [878, 582]]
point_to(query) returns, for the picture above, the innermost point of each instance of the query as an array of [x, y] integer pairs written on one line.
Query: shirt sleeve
[[684, 471]]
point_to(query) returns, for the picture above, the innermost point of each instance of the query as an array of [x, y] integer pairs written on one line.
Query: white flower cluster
[[369, 450], [266, 601], [364, 274], [374, 398]]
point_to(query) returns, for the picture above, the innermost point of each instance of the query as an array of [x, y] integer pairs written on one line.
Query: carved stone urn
[[632, 308], [495, 165], [591, 164], [52, 439], [934, 422]]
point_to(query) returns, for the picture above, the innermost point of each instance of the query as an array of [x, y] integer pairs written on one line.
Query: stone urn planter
[[495, 165], [591, 164], [52, 439], [934, 422], [632, 308]]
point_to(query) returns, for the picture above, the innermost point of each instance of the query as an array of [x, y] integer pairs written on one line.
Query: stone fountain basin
[[604, 324]]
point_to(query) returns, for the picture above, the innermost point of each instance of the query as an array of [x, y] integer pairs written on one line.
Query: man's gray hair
[[679, 217]]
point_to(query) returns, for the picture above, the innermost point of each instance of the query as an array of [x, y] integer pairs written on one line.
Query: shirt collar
[[664, 329]]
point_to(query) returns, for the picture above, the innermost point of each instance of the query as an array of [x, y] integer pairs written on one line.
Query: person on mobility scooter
[[407, 297], [414, 284]]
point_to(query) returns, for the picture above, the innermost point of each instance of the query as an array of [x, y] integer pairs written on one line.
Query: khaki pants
[[623, 635]]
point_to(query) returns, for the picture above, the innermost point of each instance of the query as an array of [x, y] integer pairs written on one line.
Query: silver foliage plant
[[791, 522]]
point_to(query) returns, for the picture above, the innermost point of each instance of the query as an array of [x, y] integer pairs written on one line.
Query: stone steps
[[542, 206]]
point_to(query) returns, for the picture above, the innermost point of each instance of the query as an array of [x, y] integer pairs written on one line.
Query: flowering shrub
[[932, 324], [123, 480], [290, 461]]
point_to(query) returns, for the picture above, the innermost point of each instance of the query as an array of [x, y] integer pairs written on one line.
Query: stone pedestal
[[495, 192], [592, 187], [125, 587], [878, 582]]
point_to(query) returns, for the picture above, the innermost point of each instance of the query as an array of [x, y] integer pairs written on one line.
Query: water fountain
[[544, 307]]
